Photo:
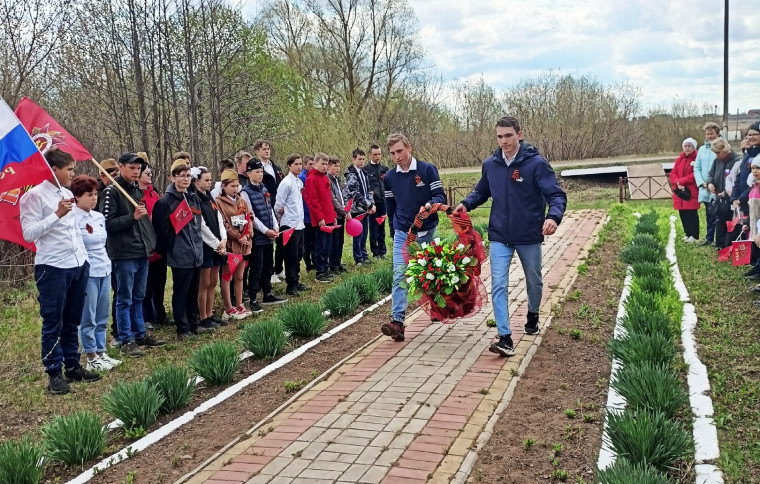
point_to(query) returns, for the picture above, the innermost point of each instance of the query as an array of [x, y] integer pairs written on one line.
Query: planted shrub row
[[80, 437], [647, 437]]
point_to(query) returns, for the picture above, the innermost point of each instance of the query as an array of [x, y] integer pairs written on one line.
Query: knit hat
[[756, 161], [691, 141], [179, 162], [755, 126], [253, 164], [229, 175]]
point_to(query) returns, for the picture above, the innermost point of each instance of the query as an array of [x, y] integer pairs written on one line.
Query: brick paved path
[[404, 412]]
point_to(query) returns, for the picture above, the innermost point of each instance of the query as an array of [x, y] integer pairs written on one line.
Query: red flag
[[22, 166], [350, 204], [233, 260], [286, 235], [360, 217], [329, 228], [730, 225], [46, 132], [724, 254], [741, 252], [381, 219], [181, 216]]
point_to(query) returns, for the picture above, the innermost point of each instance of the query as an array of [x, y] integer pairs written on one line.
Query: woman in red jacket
[[685, 191]]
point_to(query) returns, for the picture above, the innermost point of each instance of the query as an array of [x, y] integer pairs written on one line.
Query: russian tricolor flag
[[21, 163]]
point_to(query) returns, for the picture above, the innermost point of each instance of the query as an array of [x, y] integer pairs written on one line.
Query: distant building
[[753, 112]]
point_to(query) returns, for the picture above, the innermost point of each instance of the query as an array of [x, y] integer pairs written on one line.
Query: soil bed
[[565, 374]]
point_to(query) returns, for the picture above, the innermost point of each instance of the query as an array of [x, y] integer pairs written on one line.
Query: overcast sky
[[666, 47]]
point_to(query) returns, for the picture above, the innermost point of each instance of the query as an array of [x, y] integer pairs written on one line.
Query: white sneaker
[[98, 364], [281, 275], [111, 361], [685, 238], [275, 279], [691, 240]]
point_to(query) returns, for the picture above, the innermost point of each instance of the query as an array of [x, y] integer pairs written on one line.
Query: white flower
[[424, 245], [466, 260], [460, 247], [409, 280], [438, 262], [429, 276], [454, 279], [437, 241], [421, 261], [452, 268]]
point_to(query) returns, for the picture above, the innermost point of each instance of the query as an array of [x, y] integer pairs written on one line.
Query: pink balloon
[[353, 227]]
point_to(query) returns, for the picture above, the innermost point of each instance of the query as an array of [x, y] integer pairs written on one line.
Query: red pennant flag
[[181, 216], [233, 260], [741, 252], [381, 219], [360, 217], [730, 225], [46, 132], [329, 228], [286, 236], [348, 206], [724, 254]]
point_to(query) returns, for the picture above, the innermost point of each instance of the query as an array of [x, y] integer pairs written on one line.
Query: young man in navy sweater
[[521, 184], [412, 184]]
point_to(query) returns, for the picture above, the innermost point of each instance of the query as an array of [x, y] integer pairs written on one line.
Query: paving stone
[[374, 474]]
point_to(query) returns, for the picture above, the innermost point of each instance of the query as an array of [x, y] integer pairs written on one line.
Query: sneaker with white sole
[[111, 361], [97, 364], [504, 347], [274, 279], [234, 313], [281, 274]]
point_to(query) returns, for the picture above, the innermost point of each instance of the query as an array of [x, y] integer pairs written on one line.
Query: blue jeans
[[360, 243], [131, 279], [322, 247], [399, 293], [501, 256], [61, 301], [97, 309]]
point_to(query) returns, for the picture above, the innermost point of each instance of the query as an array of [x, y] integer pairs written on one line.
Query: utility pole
[[725, 67]]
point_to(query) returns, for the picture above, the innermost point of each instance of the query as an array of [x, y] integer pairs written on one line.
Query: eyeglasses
[[147, 173], [753, 134]]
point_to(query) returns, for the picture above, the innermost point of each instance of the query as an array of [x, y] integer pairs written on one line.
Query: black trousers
[[377, 236], [336, 249], [153, 304], [184, 296], [308, 246], [260, 270], [291, 254], [279, 255], [690, 222]]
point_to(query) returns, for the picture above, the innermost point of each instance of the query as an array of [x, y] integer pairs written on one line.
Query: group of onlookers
[[251, 229], [727, 184]]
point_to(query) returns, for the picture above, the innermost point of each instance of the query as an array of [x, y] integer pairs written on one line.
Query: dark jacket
[[520, 194], [720, 170], [339, 202], [741, 189], [271, 183], [405, 193], [357, 191], [376, 178], [261, 202], [209, 212], [183, 250], [127, 238], [101, 189]]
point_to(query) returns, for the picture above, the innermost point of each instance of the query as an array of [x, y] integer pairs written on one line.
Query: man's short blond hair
[[321, 156], [720, 146], [398, 137]]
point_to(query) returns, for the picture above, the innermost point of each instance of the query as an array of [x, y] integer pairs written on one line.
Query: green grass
[[728, 338], [74, 439], [652, 387], [136, 404], [303, 320], [341, 300], [172, 383], [623, 472], [265, 339], [22, 461], [217, 362]]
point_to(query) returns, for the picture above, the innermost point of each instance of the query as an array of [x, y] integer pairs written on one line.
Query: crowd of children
[[245, 232]]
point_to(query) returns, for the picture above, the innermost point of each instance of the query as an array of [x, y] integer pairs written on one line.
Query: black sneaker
[[255, 308], [130, 349], [503, 347], [149, 340], [200, 329], [531, 327], [753, 277], [292, 291], [323, 277], [394, 329], [272, 299], [209, 323], [755, 289], [185, 336], [302, 287], [152, 325], [752, 271], [706, 243], [80, 374], [58, 385], [219, 322]]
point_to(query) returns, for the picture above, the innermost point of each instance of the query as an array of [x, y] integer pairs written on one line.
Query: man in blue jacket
[[411, 185], [521, 183]]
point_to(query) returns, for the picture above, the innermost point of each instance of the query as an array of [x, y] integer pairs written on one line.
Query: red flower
[[195, 211], [516, 175], [88, 228], [417, 180]]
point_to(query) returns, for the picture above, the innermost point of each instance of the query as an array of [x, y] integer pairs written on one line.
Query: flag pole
[[108, 175]]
